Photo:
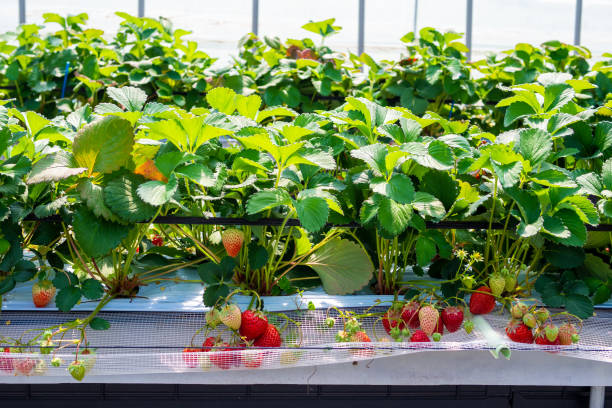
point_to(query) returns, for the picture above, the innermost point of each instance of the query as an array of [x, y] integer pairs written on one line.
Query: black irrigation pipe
[[294, 222]]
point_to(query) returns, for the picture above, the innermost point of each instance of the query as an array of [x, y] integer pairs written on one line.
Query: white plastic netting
[[149, 342]]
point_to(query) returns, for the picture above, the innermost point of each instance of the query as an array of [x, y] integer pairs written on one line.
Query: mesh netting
[[144, 343]]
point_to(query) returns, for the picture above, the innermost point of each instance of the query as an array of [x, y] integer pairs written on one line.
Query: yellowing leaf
[[149, 171]]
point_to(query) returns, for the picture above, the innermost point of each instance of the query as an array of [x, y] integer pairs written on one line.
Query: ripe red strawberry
[[482, 303], [567, 331], [519, 332], [419, 336], [253, 324], [361, 337], [232, 241], [392, 318], [540, 338], [157, 240], [428, 319], [252, 359], [231, 316], [24, 366], [209, 343], [452, 317], [6, 363], [190, 358], [223, 357], [42, 293], [410, 314], [270, 338]]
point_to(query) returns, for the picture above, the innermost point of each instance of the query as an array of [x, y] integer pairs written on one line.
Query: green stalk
[[490, 231]]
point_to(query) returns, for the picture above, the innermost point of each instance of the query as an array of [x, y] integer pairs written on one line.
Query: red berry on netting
[[410, 314], [452, 317], [253, 324], [519, 332], [419, 336], [392, 318], [270, 338], [482, 303]]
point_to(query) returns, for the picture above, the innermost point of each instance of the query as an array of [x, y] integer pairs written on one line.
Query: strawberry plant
[[293, 168]]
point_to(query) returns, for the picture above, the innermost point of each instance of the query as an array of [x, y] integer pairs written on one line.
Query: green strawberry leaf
[[67, 298], [97, 323]]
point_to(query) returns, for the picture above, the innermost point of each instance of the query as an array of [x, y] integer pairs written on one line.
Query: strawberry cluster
[[354, 333], [253, 330], [529, 325], [426, 319], [21, 364]]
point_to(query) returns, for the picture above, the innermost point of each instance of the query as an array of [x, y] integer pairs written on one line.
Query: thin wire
[[294, 222]]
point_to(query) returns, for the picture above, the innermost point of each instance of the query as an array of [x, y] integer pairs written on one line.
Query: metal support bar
[[597, 396], [361, 28], [414, 21], [255, 17], [22, 11], [141, 8], [468, 27], [578, 22]]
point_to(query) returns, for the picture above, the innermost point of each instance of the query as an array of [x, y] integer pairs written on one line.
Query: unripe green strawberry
[[530, 320], [42, 293], [436, 336], [566, 332], [56, 362], [542, 315], [395, 333], [552, 332], [342, 336], [329, 322], [212, 318], [46, 346], [468, 326], [428, 319], [575, 338], [232, 241], [40, 368], [88, 357], [510, 283], [76, 370], [518, 310], [231, 316], [352, 326], [290, 357], [497, 283], [468, 281]]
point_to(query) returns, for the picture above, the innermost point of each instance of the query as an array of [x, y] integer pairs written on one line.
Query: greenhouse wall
[[495, 25]]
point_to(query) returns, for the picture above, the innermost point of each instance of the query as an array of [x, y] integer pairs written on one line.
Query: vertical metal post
[[255, 17], [468, 27], [22, 11], [361, 28], [141, 8], [597, 396], [578, 22], [414, 21]]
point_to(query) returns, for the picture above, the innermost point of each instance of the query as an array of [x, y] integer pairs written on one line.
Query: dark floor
[[290, 396]]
